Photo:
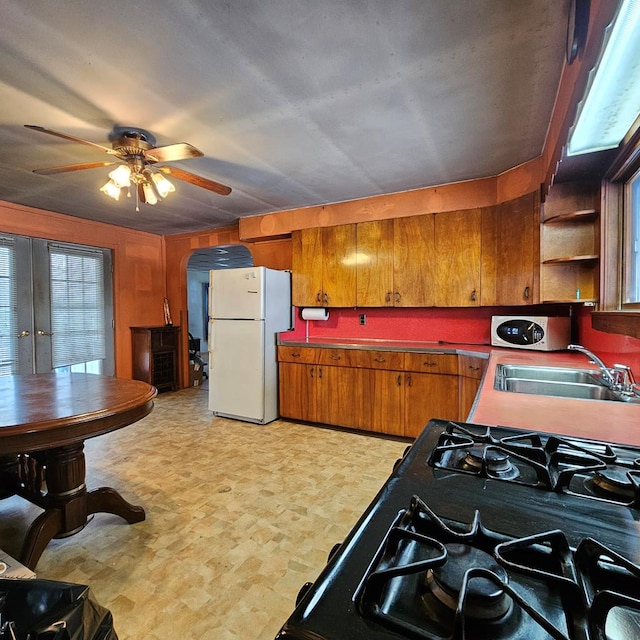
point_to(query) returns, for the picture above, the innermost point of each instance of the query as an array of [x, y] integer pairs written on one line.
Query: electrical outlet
[[363, 318]]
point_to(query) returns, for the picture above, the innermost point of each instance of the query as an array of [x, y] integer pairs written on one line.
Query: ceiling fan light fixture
[[163, 185], [149, 193], [121, 176], [111, 189]]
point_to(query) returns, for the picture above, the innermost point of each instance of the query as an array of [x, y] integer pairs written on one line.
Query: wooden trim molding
[[624, 322]]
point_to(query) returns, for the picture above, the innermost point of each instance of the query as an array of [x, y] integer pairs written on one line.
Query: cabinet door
[[387, 402], [298, 391], [306, 264], [457, 253], [428, 396], [414, 274], [374, 276], [339, 266], [511, 252], [342, 397], [468, 391]]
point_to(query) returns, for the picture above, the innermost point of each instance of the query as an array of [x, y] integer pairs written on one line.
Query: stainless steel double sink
[[554, 381]]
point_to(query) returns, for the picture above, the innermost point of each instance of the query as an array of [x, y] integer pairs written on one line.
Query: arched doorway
[[201, 261]]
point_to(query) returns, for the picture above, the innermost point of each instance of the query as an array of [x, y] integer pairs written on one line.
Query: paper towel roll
[[315, 313]]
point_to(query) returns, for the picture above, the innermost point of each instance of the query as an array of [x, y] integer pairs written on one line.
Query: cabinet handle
[[525, 295], [397, 296], [379, 359], [295, 355], [473, 296], [24, 334], [326, 298], [399, 381], [429, 364], [311, 372], [474, 368], [320, 372], [387, 298], [335, 357], [409, 380], [44, 333], [318, 298]]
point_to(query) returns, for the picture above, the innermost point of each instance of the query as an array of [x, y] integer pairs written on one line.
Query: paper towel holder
[[315, 313]]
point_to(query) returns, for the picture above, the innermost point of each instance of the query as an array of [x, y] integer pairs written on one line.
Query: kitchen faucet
[[619, 377], [606, 372]]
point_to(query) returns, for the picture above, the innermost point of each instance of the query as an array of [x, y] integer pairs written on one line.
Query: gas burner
[[614, 484], [484, 599], [495, 462]]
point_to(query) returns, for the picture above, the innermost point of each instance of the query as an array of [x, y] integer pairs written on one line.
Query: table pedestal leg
[[107, 500], [67, 504]]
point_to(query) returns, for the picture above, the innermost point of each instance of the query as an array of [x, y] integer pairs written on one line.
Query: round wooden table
[[44, 421]]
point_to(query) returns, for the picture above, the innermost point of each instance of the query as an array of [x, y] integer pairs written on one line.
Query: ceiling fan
[[136, 158]]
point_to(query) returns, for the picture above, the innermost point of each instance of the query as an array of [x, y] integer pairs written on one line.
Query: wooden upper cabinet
[[323, 265], [395, 266], [511, 252], [457, 253], [413, 261], [306, 264], [374, 275], [339, 266]]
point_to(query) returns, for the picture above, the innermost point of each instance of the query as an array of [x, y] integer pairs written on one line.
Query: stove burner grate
[[436, 579], [581, 468]]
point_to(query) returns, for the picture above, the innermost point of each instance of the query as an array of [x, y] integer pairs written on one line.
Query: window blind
[[8, 308], [77, 305]]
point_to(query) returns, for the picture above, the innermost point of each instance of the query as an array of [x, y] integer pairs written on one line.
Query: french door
[[56, 307]]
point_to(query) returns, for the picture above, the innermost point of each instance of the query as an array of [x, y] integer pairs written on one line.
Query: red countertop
[[595, 419]]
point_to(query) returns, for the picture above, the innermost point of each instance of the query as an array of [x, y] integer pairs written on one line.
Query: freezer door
[[237, 369], [237, 293]]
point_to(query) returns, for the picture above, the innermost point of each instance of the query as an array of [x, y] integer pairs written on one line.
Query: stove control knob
[[333, 551], [303, 592]]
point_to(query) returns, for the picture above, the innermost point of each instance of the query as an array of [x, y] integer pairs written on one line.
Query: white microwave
[[540, 333]]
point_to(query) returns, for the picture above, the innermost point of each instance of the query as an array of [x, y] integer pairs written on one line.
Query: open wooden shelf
[[573, 216], [572, 301], [570, 243], [564, 260]]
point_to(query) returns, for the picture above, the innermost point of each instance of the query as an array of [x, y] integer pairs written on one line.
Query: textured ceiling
[[293, 102]]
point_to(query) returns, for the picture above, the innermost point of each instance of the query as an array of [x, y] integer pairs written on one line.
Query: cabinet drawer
[[471, 367], [305, 355], [338, 357], [393, 360], [431, 363]]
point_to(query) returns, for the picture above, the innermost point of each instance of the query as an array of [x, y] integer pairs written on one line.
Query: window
[[631, 242], [8, 308], [77, 303]]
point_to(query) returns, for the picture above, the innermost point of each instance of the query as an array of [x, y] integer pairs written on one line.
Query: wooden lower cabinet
[[298, 391], [387, 402], [428, 396], [342, 397], [369, 390], [470, 372]]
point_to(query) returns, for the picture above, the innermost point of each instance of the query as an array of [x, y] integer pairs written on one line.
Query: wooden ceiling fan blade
[[198, 181], [173, 152], [47, 171], [66, 136]]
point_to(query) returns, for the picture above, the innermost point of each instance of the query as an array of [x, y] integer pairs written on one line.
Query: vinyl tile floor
[[238, 518]]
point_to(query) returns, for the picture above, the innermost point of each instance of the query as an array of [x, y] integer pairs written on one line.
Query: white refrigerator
[[247, 308]]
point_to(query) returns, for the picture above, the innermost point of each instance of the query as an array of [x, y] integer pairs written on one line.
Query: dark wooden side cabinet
[[155, 356]]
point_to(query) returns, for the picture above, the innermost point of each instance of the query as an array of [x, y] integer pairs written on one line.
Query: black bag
[[48, 610]]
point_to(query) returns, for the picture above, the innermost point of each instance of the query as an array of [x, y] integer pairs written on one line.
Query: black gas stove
[[488, 532]]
